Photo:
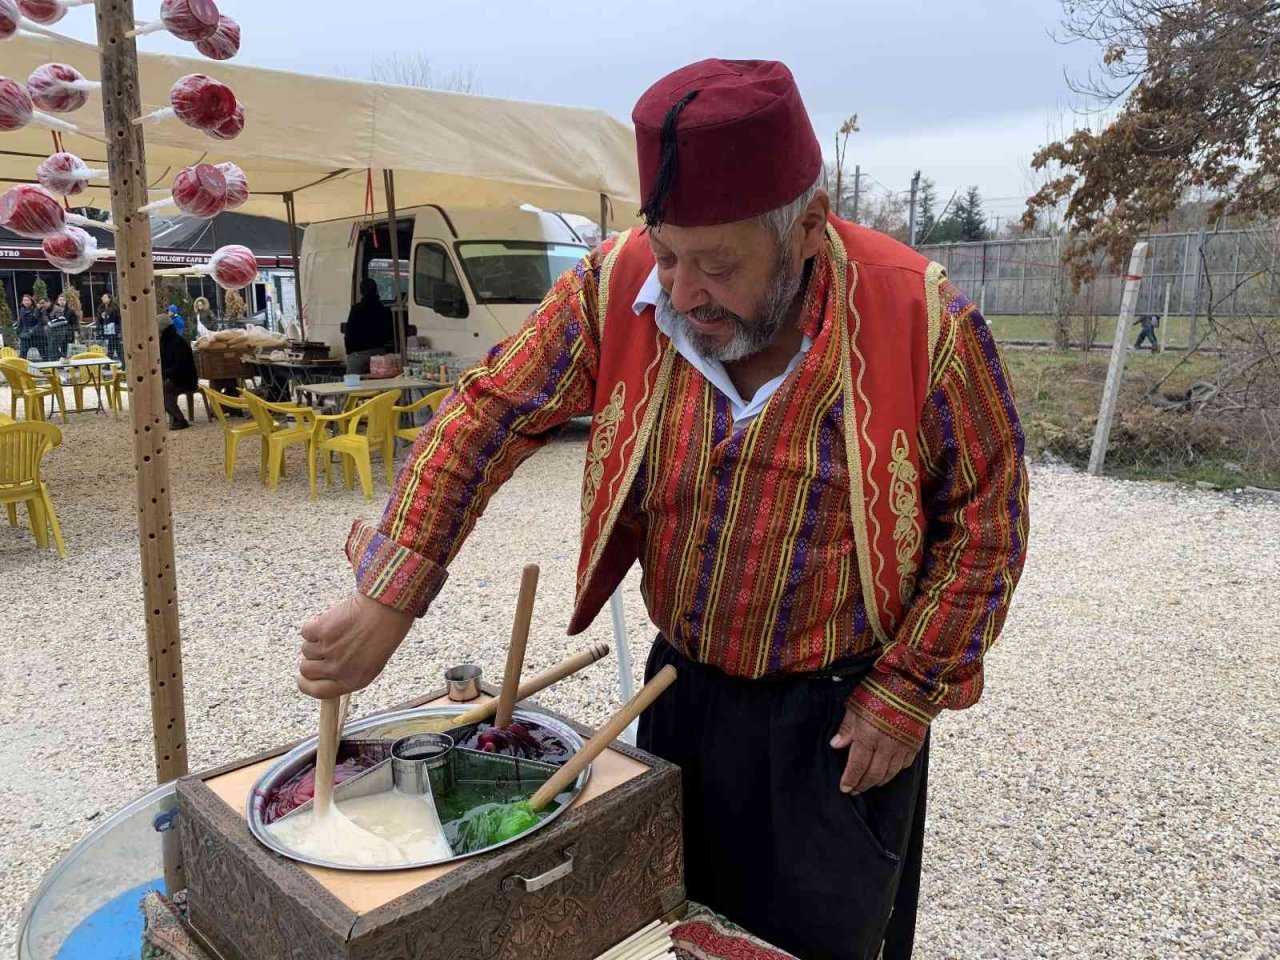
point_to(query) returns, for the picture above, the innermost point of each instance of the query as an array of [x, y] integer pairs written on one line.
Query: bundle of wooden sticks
[[651, 943]]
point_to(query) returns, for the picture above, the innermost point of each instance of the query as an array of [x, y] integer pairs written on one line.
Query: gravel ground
[[1114, 795]]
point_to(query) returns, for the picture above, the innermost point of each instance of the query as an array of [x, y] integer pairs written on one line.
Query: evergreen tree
[[972, 221]]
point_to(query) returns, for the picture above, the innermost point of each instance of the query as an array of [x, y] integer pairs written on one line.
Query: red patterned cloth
[[705, 935]]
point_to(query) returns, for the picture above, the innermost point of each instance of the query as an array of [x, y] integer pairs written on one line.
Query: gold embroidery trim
[[606, 271], [908, 536], [841, 267], [640, 441], [604, 433], [933, 277]]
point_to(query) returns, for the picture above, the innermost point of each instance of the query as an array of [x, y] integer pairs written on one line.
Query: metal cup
[[463, 682], [423, 763]]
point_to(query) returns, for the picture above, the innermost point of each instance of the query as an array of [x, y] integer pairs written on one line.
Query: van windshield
[[516, 271]]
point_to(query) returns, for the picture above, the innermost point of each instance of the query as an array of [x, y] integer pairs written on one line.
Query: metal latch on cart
[[531, 884]]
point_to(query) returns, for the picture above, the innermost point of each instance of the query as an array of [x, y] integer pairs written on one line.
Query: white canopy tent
[[316, 137]]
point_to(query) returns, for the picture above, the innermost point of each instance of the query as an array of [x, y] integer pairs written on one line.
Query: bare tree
[[415, 70], [1196, 89]]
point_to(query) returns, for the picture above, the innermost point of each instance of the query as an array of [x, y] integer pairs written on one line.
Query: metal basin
[[468, 770]]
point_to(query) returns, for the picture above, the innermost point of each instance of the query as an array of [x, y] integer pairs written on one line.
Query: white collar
[[652, 295]]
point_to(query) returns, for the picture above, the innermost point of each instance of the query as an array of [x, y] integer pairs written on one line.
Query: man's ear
[[813, 223]]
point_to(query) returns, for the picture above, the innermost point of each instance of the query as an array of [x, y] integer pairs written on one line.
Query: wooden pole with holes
[[126, 158]]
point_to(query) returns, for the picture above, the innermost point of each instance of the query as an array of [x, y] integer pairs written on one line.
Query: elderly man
[[805, 435]]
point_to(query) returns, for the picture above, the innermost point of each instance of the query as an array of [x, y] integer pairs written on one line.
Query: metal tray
[[389, 727]]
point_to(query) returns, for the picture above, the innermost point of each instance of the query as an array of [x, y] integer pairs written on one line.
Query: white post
[[1164, 317], [625, 681], [1119, 347]]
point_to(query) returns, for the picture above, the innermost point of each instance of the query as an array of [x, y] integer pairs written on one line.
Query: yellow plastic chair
[[234, 433], [354, 447], [22, 447], [26, 387], [82, 378], [430, 403], [277, 437]]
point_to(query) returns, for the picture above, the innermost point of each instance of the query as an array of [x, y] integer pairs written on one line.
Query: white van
[[470, 276]]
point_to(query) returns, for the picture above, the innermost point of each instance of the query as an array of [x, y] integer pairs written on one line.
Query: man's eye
[[666, 263], [720, 277]]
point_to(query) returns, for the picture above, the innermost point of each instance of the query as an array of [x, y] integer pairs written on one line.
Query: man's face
[[44, 301], [732, 286]]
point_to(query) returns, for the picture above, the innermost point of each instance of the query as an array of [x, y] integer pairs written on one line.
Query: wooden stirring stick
[[482, 712], [563, 777], [519, 639], [326, 756]]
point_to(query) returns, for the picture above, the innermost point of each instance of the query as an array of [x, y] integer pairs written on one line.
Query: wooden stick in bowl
[[519, 639]]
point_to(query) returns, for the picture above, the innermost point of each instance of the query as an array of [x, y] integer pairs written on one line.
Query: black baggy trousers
[[770, 841]]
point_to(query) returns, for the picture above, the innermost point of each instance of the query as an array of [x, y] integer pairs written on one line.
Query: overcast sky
[[965, 92]]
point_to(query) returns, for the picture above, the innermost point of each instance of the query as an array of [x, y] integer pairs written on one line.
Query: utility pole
[[911, 225], [839, 175], [857, 190]]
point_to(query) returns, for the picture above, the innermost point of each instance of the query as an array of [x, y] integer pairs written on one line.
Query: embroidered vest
[[886, 298]]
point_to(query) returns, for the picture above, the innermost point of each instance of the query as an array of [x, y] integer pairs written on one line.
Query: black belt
[[851, 669]]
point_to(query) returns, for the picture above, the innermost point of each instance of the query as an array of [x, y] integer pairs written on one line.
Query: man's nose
[[686, 293]]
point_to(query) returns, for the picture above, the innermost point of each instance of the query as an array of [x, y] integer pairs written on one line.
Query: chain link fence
[[1228, 273]]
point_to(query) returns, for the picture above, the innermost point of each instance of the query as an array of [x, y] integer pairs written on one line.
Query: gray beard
[[748, 339]]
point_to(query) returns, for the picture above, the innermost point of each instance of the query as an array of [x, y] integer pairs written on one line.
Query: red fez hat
[[723, 140]]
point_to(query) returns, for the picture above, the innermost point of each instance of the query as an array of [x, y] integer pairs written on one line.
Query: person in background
[[1148, 332], [44, 342], [29, 325], [109, 324], [179, 323], [204, 317], [369, 328], [177, 368], [63, 322]]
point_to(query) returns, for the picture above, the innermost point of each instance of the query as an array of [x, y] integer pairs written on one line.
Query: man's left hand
[[875, 758]]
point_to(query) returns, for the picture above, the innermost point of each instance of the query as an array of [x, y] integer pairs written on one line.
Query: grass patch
[[1058, 396], [1040, 328]]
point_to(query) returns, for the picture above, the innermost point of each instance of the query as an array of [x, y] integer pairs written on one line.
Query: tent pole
[[389, 185], [126, 158], [297, 263]]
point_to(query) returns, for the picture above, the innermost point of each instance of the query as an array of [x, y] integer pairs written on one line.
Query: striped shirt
[[746, 537]]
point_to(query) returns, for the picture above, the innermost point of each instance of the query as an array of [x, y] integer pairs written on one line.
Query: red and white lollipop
[[17, 110], [30, 14], [198, 191], [67, 174], [10, 18], [230, 128], [59, 88], [186, 19], [225, 42], [73, 250], [30, 211], [198, 101], [237, 185], [232, 267]]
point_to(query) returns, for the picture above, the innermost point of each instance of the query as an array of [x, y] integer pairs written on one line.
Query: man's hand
[[345, 648], [875, 758]]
